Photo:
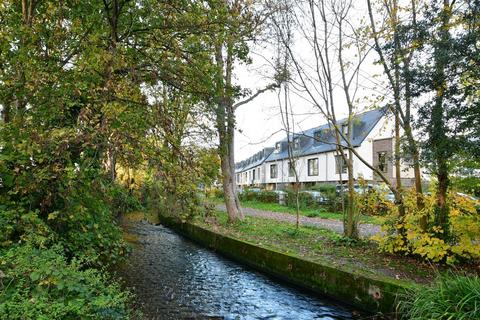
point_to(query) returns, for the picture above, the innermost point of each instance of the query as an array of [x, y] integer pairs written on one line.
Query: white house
[[316, 158]]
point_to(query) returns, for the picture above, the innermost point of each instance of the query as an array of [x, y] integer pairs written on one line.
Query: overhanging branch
[[252, 97]]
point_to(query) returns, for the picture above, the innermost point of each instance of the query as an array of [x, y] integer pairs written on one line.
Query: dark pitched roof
[[253, 161], [363, 124]]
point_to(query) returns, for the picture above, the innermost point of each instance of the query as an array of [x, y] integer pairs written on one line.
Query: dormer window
[[345, 129], [278, 147], [296, 143], [317, 136]]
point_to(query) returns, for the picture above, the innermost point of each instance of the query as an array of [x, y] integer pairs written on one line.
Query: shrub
[[218, 193], [121, 199], [19, 226], [267, 196], [451, 297], [325, 188], [248, 195], [305, 200], [317, 213], [42, 284], [373, 203], [463, 244], [469, 185]]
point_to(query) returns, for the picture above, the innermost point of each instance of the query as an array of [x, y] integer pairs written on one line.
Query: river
[[174, 278]]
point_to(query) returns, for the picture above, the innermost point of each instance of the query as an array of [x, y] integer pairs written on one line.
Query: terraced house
[[317, 160]]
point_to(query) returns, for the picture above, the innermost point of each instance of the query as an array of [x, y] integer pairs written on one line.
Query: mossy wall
[[368, 294]]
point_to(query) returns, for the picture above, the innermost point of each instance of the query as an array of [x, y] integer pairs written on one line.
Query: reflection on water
[[177, 279]]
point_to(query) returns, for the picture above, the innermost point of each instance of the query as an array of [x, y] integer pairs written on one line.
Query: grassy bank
[[323, 246], [310, 212]]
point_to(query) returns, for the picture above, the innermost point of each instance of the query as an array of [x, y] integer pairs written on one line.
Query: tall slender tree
[[239, 23]]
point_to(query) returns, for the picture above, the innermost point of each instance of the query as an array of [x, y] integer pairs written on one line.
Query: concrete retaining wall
[[368, 294]]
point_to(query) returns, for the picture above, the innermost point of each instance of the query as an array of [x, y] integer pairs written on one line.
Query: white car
[[316, 195]]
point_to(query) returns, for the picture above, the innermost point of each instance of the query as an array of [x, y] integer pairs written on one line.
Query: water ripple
[[174, 278]]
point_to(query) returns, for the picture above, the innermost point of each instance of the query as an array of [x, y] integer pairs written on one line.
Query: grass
[[317, 212], [453, 296], [321, 245]]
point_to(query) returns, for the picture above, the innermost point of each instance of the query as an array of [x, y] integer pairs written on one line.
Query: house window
[[291, 169], [340, 164], [278, 147], [345, 129], [273, 171], [313, 167], [382, 161], [317, 137], [296, 143], [254, 171]]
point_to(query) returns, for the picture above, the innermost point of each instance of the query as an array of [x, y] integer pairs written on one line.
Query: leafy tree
[[75, 108], [396, 43], [238, 22], [447, 117]]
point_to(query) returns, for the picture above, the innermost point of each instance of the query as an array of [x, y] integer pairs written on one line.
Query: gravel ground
[[366, 229]]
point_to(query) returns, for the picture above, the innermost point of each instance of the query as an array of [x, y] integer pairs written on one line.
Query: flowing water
[[174, 278]]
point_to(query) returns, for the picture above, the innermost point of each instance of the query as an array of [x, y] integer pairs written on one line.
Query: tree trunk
[[412, 144], [231, 199], [225, 119], [297, 203], [231, 156], [418, 178], [438, 134], [398, 174], [351, 230]]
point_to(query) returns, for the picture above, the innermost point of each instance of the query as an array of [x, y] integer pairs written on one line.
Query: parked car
[[254, 190], [317, 196], [475, 200], [464, 195], [390, 197], [360, 189]]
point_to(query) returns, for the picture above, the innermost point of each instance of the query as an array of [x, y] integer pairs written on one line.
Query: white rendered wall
[[327, 164]]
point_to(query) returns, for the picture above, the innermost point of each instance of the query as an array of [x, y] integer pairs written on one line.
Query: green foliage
[[453, 296], [89, 89], [174, 189], [266, 196], [468, 185], [305, 200], [121, 199], [19, 226], [43, 284], [82, 220], [326, 189], [248, 195], [463, 243], [317, 213], [373, 203], [218, 193]]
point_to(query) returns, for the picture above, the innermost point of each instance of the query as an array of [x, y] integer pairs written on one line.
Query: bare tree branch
[[271, 86]]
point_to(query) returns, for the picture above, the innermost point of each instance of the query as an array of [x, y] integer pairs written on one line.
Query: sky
[[259, 123]]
